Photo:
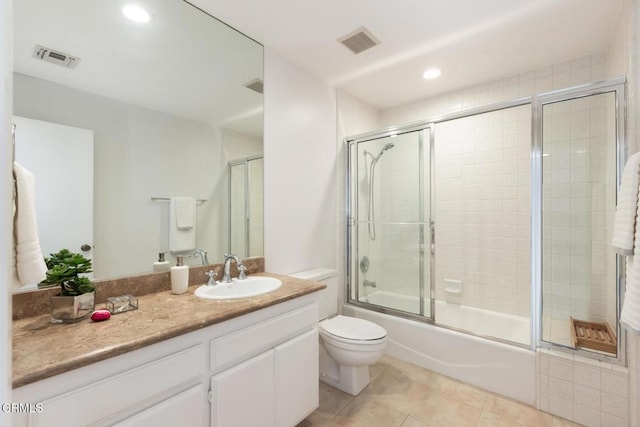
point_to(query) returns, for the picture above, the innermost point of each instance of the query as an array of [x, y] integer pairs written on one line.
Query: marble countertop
[[42, 349]]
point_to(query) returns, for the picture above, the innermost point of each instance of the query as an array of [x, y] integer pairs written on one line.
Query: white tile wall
[[483, 177], [592, 393], [482, 209], [578, 205]]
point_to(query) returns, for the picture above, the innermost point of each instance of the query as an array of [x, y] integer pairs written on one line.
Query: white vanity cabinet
[[259, 369], [183, 409], [243, 395], [278, 386], [296, 387]]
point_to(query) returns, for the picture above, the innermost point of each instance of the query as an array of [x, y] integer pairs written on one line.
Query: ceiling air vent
[[359, 40], [55, 57], [255, 85]]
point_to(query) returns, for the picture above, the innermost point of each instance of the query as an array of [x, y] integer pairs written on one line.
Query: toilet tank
[[327, 298]]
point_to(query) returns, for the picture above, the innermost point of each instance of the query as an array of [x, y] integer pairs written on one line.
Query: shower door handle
[[432, 229]]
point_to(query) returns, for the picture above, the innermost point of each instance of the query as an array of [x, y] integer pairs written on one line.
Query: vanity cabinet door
[[242, 396], [186, 408], [296, 373]]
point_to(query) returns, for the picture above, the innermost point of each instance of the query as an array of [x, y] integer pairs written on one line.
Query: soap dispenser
[[179, 277], [161, 264]]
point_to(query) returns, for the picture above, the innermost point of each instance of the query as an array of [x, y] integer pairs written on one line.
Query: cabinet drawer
[[250, 341], [104, 398]]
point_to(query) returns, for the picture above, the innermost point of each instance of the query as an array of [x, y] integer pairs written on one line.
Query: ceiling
[[183, 63], [472, 41]]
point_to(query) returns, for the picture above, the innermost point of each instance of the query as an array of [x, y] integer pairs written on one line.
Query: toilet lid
[[353, 329]]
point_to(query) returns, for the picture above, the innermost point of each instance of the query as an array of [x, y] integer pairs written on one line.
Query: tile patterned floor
[[404, 395]]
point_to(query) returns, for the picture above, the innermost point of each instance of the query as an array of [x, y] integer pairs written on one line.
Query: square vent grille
[[359, 40], [55, 57]]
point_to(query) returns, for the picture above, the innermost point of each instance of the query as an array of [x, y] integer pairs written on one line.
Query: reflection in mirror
[[579, 198], [245, 206], [163, 125]]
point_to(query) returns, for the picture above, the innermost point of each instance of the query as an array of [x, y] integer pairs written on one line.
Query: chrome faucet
[[203, 256], [226, 276], [212, 278]]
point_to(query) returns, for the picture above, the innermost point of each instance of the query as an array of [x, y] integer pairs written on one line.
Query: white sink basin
[[249, 287]]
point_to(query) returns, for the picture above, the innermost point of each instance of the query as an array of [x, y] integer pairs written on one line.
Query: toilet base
[[350, 379]]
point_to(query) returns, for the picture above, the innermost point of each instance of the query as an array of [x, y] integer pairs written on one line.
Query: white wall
[[138, 153], [300, 176], [6, 210]]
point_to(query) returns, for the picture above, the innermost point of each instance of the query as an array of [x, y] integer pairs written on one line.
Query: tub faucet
[[203, 256], [226, 276]]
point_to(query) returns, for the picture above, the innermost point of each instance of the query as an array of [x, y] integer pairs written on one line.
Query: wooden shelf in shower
[[593, 335]]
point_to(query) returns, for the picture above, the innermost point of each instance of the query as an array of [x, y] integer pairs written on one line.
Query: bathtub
[[502, 368], [505, 327]]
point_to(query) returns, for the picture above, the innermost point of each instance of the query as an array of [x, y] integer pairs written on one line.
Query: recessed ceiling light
[[432, 73], [136, 13]]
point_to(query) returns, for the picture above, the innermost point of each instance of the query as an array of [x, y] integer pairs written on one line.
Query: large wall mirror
[[156, 110]]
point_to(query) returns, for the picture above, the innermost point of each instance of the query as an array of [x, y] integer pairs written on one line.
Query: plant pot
[[65, 309]]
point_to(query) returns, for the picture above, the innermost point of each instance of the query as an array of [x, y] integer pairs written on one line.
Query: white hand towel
[[29, 260], [181, 238], [185, 208], [624, 222]]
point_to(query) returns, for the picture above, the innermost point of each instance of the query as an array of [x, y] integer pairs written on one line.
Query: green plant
[[64, 269]]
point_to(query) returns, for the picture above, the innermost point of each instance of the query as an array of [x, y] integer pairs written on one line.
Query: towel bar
[[163, 199]]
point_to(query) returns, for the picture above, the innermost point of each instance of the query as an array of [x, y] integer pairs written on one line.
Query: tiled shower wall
[[579, 173], [597, 396], [482, 178], [483, 211]]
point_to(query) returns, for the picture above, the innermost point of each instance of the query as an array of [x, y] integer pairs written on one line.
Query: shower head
[[387, 146]]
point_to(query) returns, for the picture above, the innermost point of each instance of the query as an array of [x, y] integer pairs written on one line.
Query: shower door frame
[[423, 124], [247, 204], [617, 86], [424, 128]]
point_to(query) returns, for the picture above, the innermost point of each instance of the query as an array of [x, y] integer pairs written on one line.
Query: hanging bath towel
[[626, 241], [624, 223], [630, 315], [29, 260]]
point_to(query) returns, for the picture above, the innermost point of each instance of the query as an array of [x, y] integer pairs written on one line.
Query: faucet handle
[[242, 272], [212, 278]]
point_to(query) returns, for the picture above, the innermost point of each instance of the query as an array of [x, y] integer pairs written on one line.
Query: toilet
[[347, 345]]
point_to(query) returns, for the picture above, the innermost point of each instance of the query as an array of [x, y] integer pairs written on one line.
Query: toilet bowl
[[347, 345], [351, 346]]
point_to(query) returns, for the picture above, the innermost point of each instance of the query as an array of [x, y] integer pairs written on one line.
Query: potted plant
[[76, 299]]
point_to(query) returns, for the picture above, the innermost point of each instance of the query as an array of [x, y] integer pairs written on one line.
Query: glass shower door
[[246, 194], [580, 153], [390, 227]]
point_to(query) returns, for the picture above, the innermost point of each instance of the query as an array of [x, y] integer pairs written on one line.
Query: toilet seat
[[353, 330]]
